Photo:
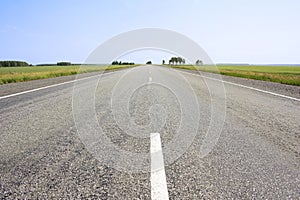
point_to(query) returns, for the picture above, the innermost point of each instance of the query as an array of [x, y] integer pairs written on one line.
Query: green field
[[282, 74], [20, 74]]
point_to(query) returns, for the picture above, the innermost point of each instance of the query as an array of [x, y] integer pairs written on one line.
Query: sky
[[230, 31]]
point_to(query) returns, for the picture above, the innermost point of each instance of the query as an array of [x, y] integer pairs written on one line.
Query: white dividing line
[[159, 189], [150, 79], [248, 87], [51, 86]]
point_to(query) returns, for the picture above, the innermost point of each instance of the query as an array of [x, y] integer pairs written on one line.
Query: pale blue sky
[[239, 31]]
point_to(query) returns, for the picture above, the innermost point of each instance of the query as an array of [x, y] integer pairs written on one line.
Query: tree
[[179, 60], [163, 62], [149, 63], [199, 62], [115, 62], [176, 60]]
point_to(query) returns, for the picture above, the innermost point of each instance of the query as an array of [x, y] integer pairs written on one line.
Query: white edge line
[[159, 189], [244, 86], [54, 85]]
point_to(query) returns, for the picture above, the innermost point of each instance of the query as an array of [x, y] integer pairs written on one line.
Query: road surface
[[256, 155]]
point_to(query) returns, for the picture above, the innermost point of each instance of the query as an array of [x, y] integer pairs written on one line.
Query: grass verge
[[281, 74], [20, 74]]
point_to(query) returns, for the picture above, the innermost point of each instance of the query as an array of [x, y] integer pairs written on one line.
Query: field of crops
[[281, 74], [20, 74]]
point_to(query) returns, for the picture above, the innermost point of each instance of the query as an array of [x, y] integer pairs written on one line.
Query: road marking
[[247, 87], [159, 189], [50, 86], [150, 79]]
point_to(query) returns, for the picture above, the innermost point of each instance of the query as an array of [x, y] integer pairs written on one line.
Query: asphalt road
[[219, 141]]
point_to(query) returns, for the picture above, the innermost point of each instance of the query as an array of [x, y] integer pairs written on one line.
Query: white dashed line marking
[[150, 79], [159, 189]]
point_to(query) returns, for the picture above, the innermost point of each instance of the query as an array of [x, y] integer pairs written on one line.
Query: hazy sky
[[240, 31]]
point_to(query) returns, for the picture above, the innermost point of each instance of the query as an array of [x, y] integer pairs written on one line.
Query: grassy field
[[282, 74], [20, 74]]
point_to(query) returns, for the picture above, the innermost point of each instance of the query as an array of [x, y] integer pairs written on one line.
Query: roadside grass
[[20, 74], [281, 74]]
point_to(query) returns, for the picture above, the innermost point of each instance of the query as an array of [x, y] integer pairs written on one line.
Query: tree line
[[122, 63], [12, 63], [63, 63], [60, 64]]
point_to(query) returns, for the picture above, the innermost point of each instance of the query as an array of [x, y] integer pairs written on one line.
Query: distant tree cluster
[[149, 62], [199, 62], [58, 64], [121, 63], [176, 60], [63, 64], [46, 64], [13, 64], [179, 60]]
